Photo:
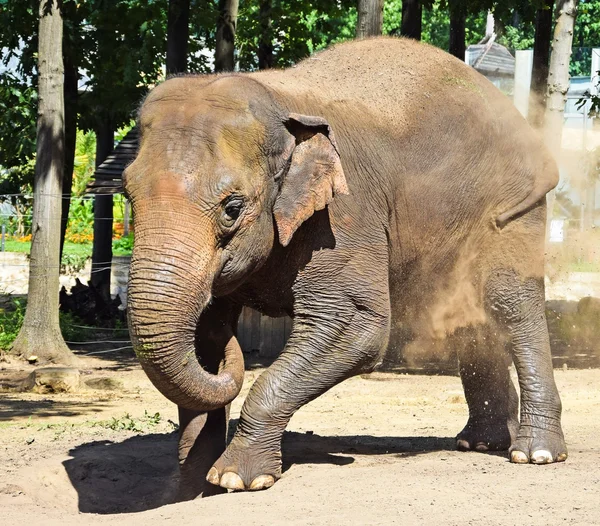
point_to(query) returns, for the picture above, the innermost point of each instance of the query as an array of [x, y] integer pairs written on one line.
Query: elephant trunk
[[169, 287]]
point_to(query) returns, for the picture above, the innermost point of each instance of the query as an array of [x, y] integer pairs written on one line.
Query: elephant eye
[[231, 211]]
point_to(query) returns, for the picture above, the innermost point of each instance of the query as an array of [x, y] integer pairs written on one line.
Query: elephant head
[[223, 173]]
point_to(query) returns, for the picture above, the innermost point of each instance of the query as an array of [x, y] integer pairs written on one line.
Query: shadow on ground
[[141, 473], [12, 406]]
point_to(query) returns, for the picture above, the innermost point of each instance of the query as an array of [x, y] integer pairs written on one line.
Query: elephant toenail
[[541, 457], [262, 482], [481, 446], [232, 480], [518, 457], [561, 457], [213, 476], [463, 445]]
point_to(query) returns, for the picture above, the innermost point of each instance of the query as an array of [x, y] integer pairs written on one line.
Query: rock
[[32, 359], [53, 380], [588, 306], [105, 383]]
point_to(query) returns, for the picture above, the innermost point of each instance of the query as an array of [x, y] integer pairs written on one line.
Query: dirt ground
[[377, 449]]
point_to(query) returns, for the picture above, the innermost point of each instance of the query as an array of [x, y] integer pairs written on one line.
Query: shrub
[[123, 245]]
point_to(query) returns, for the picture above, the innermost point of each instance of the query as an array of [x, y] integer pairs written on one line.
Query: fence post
[[523, 69], [3, 237]]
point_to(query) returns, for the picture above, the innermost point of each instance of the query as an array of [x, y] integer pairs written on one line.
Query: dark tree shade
[[71, 95], [103, 216], [177, 35], [265, 46], [412, 15], [370, 18], [458, 19], [541, 59]]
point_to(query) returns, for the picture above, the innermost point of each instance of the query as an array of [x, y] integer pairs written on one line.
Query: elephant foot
[[243, 467], [537, 445], [487, 435]]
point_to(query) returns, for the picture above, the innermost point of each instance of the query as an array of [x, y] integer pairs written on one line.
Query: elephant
[[377, 185]]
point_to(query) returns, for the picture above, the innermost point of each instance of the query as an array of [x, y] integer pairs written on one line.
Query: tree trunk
[[370, 18], [541, 58], [71, 97], [226, 26], [103, 217], [412, 14], [265, 45], [458, 18], [178, 29], [558, 81], [558, 73], [40, 334]]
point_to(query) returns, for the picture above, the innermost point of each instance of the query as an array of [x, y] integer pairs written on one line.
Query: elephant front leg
[[202, 439], [323, 350]]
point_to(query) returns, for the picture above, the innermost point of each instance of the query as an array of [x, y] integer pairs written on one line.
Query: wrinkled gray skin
[[364, 199]]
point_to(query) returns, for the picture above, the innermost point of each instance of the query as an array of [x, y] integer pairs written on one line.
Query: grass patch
[[76, 249], [147, 423], [11, 319]]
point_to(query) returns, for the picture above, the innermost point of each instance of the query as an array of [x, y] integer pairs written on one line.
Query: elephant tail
[[542, 184]]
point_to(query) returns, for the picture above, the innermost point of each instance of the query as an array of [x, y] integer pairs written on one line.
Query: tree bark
[[226, 26], [558, 73], [40, 334], [178, 22], [458, 18], [103, 217], [265, 45], [541, 58], [558, 82], [370, 18], [412, 15]]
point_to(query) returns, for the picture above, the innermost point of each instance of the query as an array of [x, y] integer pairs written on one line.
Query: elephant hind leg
[[518, 304], [491, 396]]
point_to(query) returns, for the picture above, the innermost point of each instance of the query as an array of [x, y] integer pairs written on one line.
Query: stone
[[53, 380]]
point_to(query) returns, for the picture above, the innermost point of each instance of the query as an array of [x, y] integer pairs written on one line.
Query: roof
[[491, 58], [107, 178]]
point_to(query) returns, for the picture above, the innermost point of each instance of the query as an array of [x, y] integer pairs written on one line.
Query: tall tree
[[370, 18], [458, 20], [558, 81], [412, 16], [558, 73], [225, 38], [178, 30], [265, 45], [541, 58], [40, 333]]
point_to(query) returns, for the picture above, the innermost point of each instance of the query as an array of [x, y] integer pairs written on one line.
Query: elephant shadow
[[142, 472]]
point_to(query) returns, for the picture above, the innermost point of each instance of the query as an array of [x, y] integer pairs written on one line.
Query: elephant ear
[[314, 177]]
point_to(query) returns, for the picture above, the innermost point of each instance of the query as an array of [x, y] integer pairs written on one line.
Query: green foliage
[[129, 423], [72, 328], [85, 157], [81, 216], [11, 319], [298, 28], [123, 246], [586, 35]]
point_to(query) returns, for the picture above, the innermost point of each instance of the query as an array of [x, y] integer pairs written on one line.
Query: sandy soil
[[374, 450]]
